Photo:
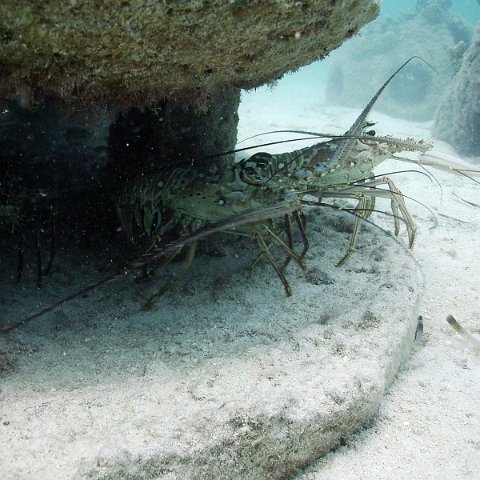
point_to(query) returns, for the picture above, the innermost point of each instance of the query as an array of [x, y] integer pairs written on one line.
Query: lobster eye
[[249, 170]]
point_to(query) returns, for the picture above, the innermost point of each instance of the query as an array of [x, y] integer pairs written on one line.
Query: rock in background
[[457, 120], [432, 33]]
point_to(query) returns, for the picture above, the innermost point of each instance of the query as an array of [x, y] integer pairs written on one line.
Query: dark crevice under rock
[[171, 135]]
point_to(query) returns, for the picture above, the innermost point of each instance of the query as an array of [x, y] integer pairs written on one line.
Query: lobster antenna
[[356, 129]]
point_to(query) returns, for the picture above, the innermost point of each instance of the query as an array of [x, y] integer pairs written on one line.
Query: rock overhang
[[133, 53]]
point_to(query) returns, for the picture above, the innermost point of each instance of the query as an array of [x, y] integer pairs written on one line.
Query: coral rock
[[132, 52], [457, 119]]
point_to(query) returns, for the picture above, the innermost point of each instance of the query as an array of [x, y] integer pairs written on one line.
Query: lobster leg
[[398, 201], [38, 254], [146, 276], [288, 250], [261, 254], [361, 212], [281, 244], [367, 192], [265, 250], [300, 221], [20, 259], [175, 277], [52, 248], [288, 231], [288, 247], [397, 204]]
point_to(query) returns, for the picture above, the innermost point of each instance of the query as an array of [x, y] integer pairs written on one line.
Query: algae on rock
[[132, 52]]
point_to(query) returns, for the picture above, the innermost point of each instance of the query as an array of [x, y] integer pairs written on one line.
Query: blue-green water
[[467, 8], [380, 48]]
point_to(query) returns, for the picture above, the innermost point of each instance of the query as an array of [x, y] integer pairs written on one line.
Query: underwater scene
[[239, 239]]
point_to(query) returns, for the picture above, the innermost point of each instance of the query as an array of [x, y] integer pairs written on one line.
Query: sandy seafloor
[[429, 423], [428, 426]]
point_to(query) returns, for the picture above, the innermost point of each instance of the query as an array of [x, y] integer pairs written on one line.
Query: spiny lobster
[[341, 167], [249, 196]]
